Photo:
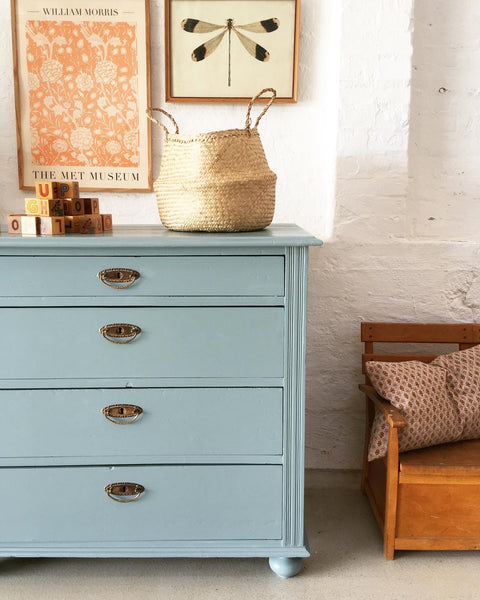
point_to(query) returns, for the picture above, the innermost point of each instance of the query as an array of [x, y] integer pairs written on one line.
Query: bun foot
[[286, 567]]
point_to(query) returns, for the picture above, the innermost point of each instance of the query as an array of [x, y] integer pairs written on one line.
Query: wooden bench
[[426, 499]]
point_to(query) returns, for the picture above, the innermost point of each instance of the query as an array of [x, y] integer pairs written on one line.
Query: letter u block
[[47, 190]]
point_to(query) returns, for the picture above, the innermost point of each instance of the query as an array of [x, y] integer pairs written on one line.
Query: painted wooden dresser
[[152, 393]]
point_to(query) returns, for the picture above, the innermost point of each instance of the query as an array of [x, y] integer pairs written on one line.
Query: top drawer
[[50, 276]]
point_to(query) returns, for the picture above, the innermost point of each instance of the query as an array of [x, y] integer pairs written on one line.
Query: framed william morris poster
[[228, 50], [82, 86]]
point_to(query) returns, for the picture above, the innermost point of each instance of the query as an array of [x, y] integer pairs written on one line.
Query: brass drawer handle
[[124, 489], [117, 333], [119, 413], [118, 278]]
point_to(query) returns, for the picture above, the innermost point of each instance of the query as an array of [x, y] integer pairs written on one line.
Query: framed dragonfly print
[[226, 50], [82, 85]]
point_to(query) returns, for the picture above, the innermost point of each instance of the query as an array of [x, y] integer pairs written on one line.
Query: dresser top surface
[[156, 236]]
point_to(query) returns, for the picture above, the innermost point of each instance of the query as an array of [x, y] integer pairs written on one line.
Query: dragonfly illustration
[[207, 48]]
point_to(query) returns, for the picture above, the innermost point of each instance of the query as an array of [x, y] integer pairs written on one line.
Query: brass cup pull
[[122, 414], [124, 490], [120, 333], [119, 278]]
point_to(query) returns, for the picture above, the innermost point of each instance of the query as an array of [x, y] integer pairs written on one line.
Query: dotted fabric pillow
[[419, 391], [463, 385]]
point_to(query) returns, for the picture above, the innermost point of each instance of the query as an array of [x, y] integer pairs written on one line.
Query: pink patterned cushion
[[419, 391], [463, 385]]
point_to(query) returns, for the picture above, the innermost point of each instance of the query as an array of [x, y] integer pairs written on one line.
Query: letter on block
[[69, 224], [14, 223], [92, 206], [68, 189], [44, 208], [52, 225], [51, 208], [74, 224], [47, 190], [90, 224], [107, 222], [30, 225], [84, 224], [32, 206], [96, 223], [73, 207]]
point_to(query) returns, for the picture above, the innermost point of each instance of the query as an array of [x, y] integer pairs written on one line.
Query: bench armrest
[[392, 414]]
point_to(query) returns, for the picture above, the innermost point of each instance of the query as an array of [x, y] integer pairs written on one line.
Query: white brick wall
[[444, 198], [404, 154]]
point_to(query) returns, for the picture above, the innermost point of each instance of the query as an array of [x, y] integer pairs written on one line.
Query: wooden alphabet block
[[52, 225], [47, 190], [84, 224], [91, 224], [14, 223], [96, 223], [30, 225], [52, 208], [76, 223], [73, 207], [92, 206], [107, 222], [69, 222], [68, 189], [44, 208], [32, 206]]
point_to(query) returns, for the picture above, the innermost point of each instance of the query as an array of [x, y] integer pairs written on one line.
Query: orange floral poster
[[82, 92]]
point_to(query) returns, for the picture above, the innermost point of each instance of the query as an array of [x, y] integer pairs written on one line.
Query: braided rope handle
[[248, 121], [149, 115]]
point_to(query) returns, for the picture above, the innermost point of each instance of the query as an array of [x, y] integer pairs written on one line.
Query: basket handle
[[248, 121], [149, 115]]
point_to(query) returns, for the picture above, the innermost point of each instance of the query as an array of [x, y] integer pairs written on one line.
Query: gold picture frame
[[82, 86], [226, 50]]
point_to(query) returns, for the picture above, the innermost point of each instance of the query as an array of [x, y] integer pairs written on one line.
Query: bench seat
[[427, 499]]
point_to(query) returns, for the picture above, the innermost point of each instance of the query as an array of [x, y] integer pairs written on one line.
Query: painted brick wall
[[405, 152], [444, 197], [348, 274]]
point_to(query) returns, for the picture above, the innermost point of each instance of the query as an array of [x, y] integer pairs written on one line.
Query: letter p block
[[68, 189]]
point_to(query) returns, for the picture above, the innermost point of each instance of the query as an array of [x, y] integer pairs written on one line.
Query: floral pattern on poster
[[83, 93]]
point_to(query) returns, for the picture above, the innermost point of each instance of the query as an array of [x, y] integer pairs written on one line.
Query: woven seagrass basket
[[218, 181]]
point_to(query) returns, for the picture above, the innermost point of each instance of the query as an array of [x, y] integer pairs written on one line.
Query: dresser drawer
[[214, 342], [64, 276], [69, 504], [173, 422]]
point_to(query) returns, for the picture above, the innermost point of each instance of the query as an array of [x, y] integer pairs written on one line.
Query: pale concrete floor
[[346, 563]]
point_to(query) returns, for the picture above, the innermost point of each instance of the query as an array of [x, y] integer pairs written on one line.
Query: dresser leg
[[286, 567]]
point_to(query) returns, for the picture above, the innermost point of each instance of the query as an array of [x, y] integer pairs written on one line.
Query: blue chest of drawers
[[152, 387]]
